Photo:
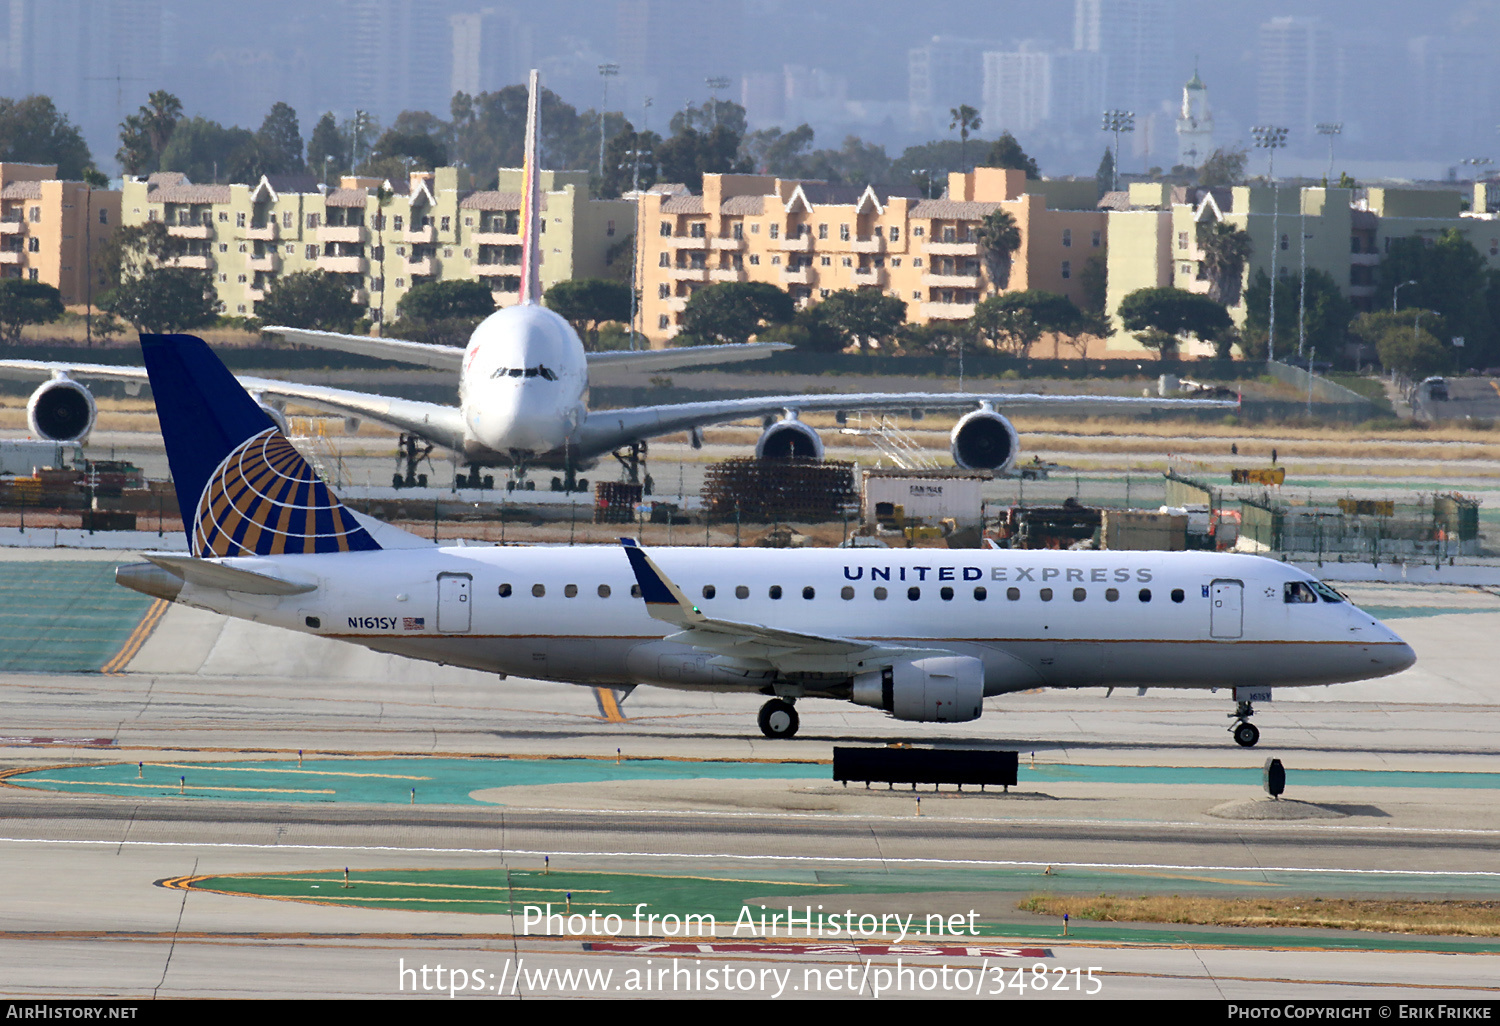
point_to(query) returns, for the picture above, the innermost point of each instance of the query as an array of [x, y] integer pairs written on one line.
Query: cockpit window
[[1327, 593], [1298, 591], [541, 370]]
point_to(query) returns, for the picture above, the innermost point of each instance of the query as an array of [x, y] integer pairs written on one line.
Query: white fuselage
[[522, 386], [1034, 618]]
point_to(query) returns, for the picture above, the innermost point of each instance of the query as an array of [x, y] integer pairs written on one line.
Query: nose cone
[[1401, 657]]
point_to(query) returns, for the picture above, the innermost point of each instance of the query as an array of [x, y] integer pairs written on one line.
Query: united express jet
[[922, 634]]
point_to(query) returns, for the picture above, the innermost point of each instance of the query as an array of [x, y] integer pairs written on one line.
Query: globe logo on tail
[[265, 500]]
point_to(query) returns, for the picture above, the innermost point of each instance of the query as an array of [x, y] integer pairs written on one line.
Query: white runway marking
[[799, 859]]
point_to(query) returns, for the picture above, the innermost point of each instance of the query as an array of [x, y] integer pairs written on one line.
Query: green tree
[[733, 311], [999, 238], [165, 300], [315, 300], [24, 302], [1104, 177], [863, 316], [33, 131], [811, 329], [586, 303], [1159, 318], [1093, 279], [770, 151], [966, 119], [1226, 249], [1007, 152], [279, 142], [129, 251], [206, 152], [629, 161], [447, 300], [328, 150], [690, 154], [488, 131], [144, 135], [1451, 278], [1325, 320], [1017, 320], [708, 117], [401, 150], [1223, 168], [1408, 340]]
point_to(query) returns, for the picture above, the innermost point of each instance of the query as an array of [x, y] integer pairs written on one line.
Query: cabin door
[[455, 610], [1227, 609]]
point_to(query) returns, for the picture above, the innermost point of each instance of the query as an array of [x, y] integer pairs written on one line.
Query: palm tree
[[966, 119], [1225, 252], [999, 238]]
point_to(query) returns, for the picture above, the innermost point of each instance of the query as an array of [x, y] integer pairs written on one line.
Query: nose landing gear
[[1245, 732], [778, 719]]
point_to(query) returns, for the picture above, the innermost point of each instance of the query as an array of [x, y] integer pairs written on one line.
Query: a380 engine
[[787, 439], [984, 440], [934, 689], [61, 410]]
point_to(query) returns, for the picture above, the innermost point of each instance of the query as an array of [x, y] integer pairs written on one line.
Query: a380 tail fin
[[242, 487], [531, 199]]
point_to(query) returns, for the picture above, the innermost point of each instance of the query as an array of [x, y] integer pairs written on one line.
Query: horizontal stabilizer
[[207, 574]]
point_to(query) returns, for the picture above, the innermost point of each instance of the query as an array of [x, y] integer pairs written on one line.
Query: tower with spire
[[1195, 123]]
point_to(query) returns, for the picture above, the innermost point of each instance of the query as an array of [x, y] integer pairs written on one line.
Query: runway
[[138, 891]]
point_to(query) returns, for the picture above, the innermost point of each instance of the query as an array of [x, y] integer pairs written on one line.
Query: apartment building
[[813, 239], [382, 237], [1346, 233], [49, 227]]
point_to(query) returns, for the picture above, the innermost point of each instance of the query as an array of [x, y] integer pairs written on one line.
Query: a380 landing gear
[[1245, 732], [778, 719], [411, 450]]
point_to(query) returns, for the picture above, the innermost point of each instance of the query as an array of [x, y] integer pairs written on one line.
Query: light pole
[[715, 83], [1396, 292], [1302, 273], [1330, 129], [606, 72], [1272, 138], [1118, 121]]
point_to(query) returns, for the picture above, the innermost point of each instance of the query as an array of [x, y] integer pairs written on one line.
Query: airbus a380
[[924, 635], [523, 380]]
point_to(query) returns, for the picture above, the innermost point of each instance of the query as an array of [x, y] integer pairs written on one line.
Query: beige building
[[49, 227], [813, 239], [1347, 232], [383, 237]]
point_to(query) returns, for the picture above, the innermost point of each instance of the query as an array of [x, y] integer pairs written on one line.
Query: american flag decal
[[413, 623]]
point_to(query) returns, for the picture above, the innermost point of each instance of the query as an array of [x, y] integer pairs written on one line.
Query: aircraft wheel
[[489, 481], [531, 486], [421, 480], [396, 481], [583, 484], [778, 719], [557, 484], [1245, 735]]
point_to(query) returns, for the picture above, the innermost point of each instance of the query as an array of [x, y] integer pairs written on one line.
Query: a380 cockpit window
[[539, 371], [1308, 591]]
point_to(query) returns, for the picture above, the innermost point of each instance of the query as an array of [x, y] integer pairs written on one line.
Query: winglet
[[664, 599], [531, 202]]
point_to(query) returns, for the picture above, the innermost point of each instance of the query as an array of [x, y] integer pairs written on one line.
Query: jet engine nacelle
[[61, 410], [934, 689], [789, 439], [984, 440]]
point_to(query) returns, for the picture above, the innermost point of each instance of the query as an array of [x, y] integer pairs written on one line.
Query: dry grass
[[1449, 918]]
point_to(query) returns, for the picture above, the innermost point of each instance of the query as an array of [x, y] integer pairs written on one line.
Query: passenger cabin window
[[604, 591], [635, 591], [980, 594], [538, 590], [1177, 595], [505, 591], [1145, 595], [708, 591], [946, 594], [1045, 594], [1111, 594], [775, 591], [846, 593], [808, 592], [880, 594], [741, 592], [570, 591], [1079, 594], [1013, 594], [913, 593]]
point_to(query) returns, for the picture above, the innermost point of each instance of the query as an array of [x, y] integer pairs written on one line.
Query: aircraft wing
[[739, 643], [440, 424], [423, 354], [606, 430], [688, 356]]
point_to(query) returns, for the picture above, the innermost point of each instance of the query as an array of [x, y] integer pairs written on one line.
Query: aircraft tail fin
[[531, 200], [242, 487]]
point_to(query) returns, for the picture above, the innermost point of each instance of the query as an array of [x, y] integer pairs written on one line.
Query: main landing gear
[[633, 459], [570, 482], [1245, 732], [412, 450], [473, 479], [778, 719]]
